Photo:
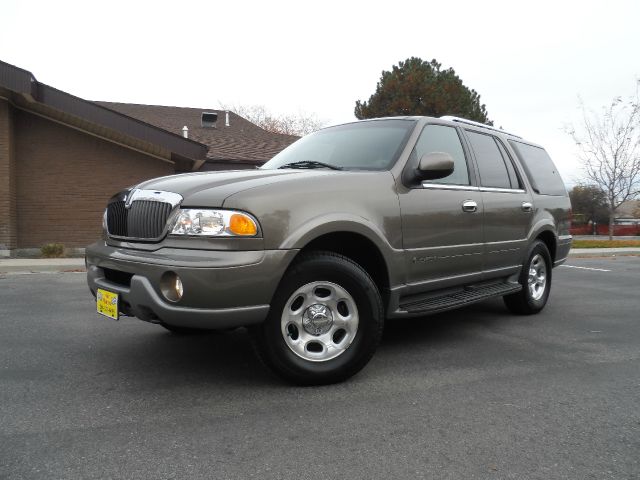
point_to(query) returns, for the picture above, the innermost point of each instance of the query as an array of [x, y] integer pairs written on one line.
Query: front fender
[[337, 223], [321, 225]]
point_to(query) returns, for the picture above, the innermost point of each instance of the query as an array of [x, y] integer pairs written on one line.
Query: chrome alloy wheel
[[537, 281], [319, 321]]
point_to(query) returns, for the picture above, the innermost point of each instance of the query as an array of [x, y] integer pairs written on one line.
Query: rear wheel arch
[[535, 278], [549, 238]]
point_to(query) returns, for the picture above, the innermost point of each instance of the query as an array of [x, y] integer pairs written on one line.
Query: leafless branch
[[609, 149], [298, 124]]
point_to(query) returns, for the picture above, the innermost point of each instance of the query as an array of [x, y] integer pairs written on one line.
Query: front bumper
[[222, 289]]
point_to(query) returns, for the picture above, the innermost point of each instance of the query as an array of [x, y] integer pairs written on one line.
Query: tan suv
[[347, 227]]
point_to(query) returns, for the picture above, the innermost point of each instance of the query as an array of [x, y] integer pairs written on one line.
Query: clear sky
[[529, 61]]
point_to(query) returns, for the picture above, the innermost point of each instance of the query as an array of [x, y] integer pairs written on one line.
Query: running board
[[467, 295]]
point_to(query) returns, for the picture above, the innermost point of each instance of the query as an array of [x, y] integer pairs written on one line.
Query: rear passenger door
[[508, 208]]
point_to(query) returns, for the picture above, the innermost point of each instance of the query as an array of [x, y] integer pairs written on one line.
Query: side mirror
[[435, 165]]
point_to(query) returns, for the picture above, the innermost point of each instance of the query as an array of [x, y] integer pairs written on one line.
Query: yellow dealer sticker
[[107, 303]]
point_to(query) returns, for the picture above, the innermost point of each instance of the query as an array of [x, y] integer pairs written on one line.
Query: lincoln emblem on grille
[[129, 199]]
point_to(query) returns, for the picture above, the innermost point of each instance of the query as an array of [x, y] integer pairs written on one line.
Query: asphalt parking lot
[[471, 394]]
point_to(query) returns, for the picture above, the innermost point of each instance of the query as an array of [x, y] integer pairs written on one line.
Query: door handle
[[527, 207], [469, 206]]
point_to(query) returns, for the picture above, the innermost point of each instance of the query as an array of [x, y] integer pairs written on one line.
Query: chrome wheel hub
[[537, 281], [319, 321]]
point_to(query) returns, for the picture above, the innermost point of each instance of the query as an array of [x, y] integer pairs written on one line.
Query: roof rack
[[477, 124]]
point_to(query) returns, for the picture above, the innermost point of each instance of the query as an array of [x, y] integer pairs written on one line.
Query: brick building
[[62, 157]]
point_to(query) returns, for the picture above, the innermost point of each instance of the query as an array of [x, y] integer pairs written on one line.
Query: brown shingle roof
[[240, 141], [21, 88], [628, 208]]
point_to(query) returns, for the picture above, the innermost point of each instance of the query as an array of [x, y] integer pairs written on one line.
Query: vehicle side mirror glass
[[435, 165]]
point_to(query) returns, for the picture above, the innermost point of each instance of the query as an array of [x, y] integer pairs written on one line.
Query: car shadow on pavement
[[228, 358], [444, 327], [161, 356]]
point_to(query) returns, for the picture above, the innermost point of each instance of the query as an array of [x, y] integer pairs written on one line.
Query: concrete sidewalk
[[44, 265], [39, 265]]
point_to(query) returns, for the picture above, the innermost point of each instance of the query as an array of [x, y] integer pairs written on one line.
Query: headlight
[[214, 223]]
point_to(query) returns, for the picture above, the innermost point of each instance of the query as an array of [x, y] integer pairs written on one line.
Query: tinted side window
[[493, 171], [540, 169], [440, 138], [513, 176]]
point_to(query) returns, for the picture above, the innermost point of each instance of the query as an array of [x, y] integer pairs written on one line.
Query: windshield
[[373, 145]]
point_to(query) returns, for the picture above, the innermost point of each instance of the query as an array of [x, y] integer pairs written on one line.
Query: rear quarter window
[[543, 174]]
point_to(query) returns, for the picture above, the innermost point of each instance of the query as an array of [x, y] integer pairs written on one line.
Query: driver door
[[442, 219]]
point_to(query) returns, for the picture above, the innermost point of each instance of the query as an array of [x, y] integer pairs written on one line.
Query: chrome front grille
[[144, 219], [143, 216], [117, 219]]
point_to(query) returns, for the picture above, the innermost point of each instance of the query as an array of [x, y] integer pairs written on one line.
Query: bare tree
[[609, 148], [288, 124]]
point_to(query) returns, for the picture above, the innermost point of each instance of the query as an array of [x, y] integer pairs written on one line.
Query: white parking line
[[586, 268]]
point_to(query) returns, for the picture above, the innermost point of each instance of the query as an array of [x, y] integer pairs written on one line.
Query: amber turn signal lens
[[240, 224]]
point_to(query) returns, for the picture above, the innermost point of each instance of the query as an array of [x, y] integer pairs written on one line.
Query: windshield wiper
[[309, 164]]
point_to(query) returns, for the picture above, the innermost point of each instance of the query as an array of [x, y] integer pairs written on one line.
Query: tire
[[325, 322], [535, 279]]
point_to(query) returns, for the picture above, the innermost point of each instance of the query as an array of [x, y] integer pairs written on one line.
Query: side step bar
[[458, 298]]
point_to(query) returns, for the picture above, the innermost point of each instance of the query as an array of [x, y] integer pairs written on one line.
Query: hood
[[210, 189]]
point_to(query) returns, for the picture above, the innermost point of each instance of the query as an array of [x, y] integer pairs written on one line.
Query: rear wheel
[[535, 279], [325, 321]]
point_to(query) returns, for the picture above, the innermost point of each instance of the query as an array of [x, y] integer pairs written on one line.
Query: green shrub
[[52, 250]]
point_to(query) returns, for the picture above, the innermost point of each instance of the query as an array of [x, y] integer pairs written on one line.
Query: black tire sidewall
[[537, 248]]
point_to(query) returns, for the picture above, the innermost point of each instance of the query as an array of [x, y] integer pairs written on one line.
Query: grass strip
[[605, 243]]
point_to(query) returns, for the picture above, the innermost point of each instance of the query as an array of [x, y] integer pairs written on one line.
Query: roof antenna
[[185, 131]]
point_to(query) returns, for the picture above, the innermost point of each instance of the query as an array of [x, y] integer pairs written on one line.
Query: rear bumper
[[222, 289]]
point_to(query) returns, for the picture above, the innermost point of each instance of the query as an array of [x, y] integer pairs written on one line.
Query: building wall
[[8, 231], [64, 179]]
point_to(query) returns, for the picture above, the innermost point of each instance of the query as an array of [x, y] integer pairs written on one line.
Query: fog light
[[171, 286], [178, 287]]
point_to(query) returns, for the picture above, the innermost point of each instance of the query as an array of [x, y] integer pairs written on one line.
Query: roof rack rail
[[477, 124]]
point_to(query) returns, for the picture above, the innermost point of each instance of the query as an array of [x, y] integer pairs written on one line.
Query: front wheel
[[325, 321], [535, 279]]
